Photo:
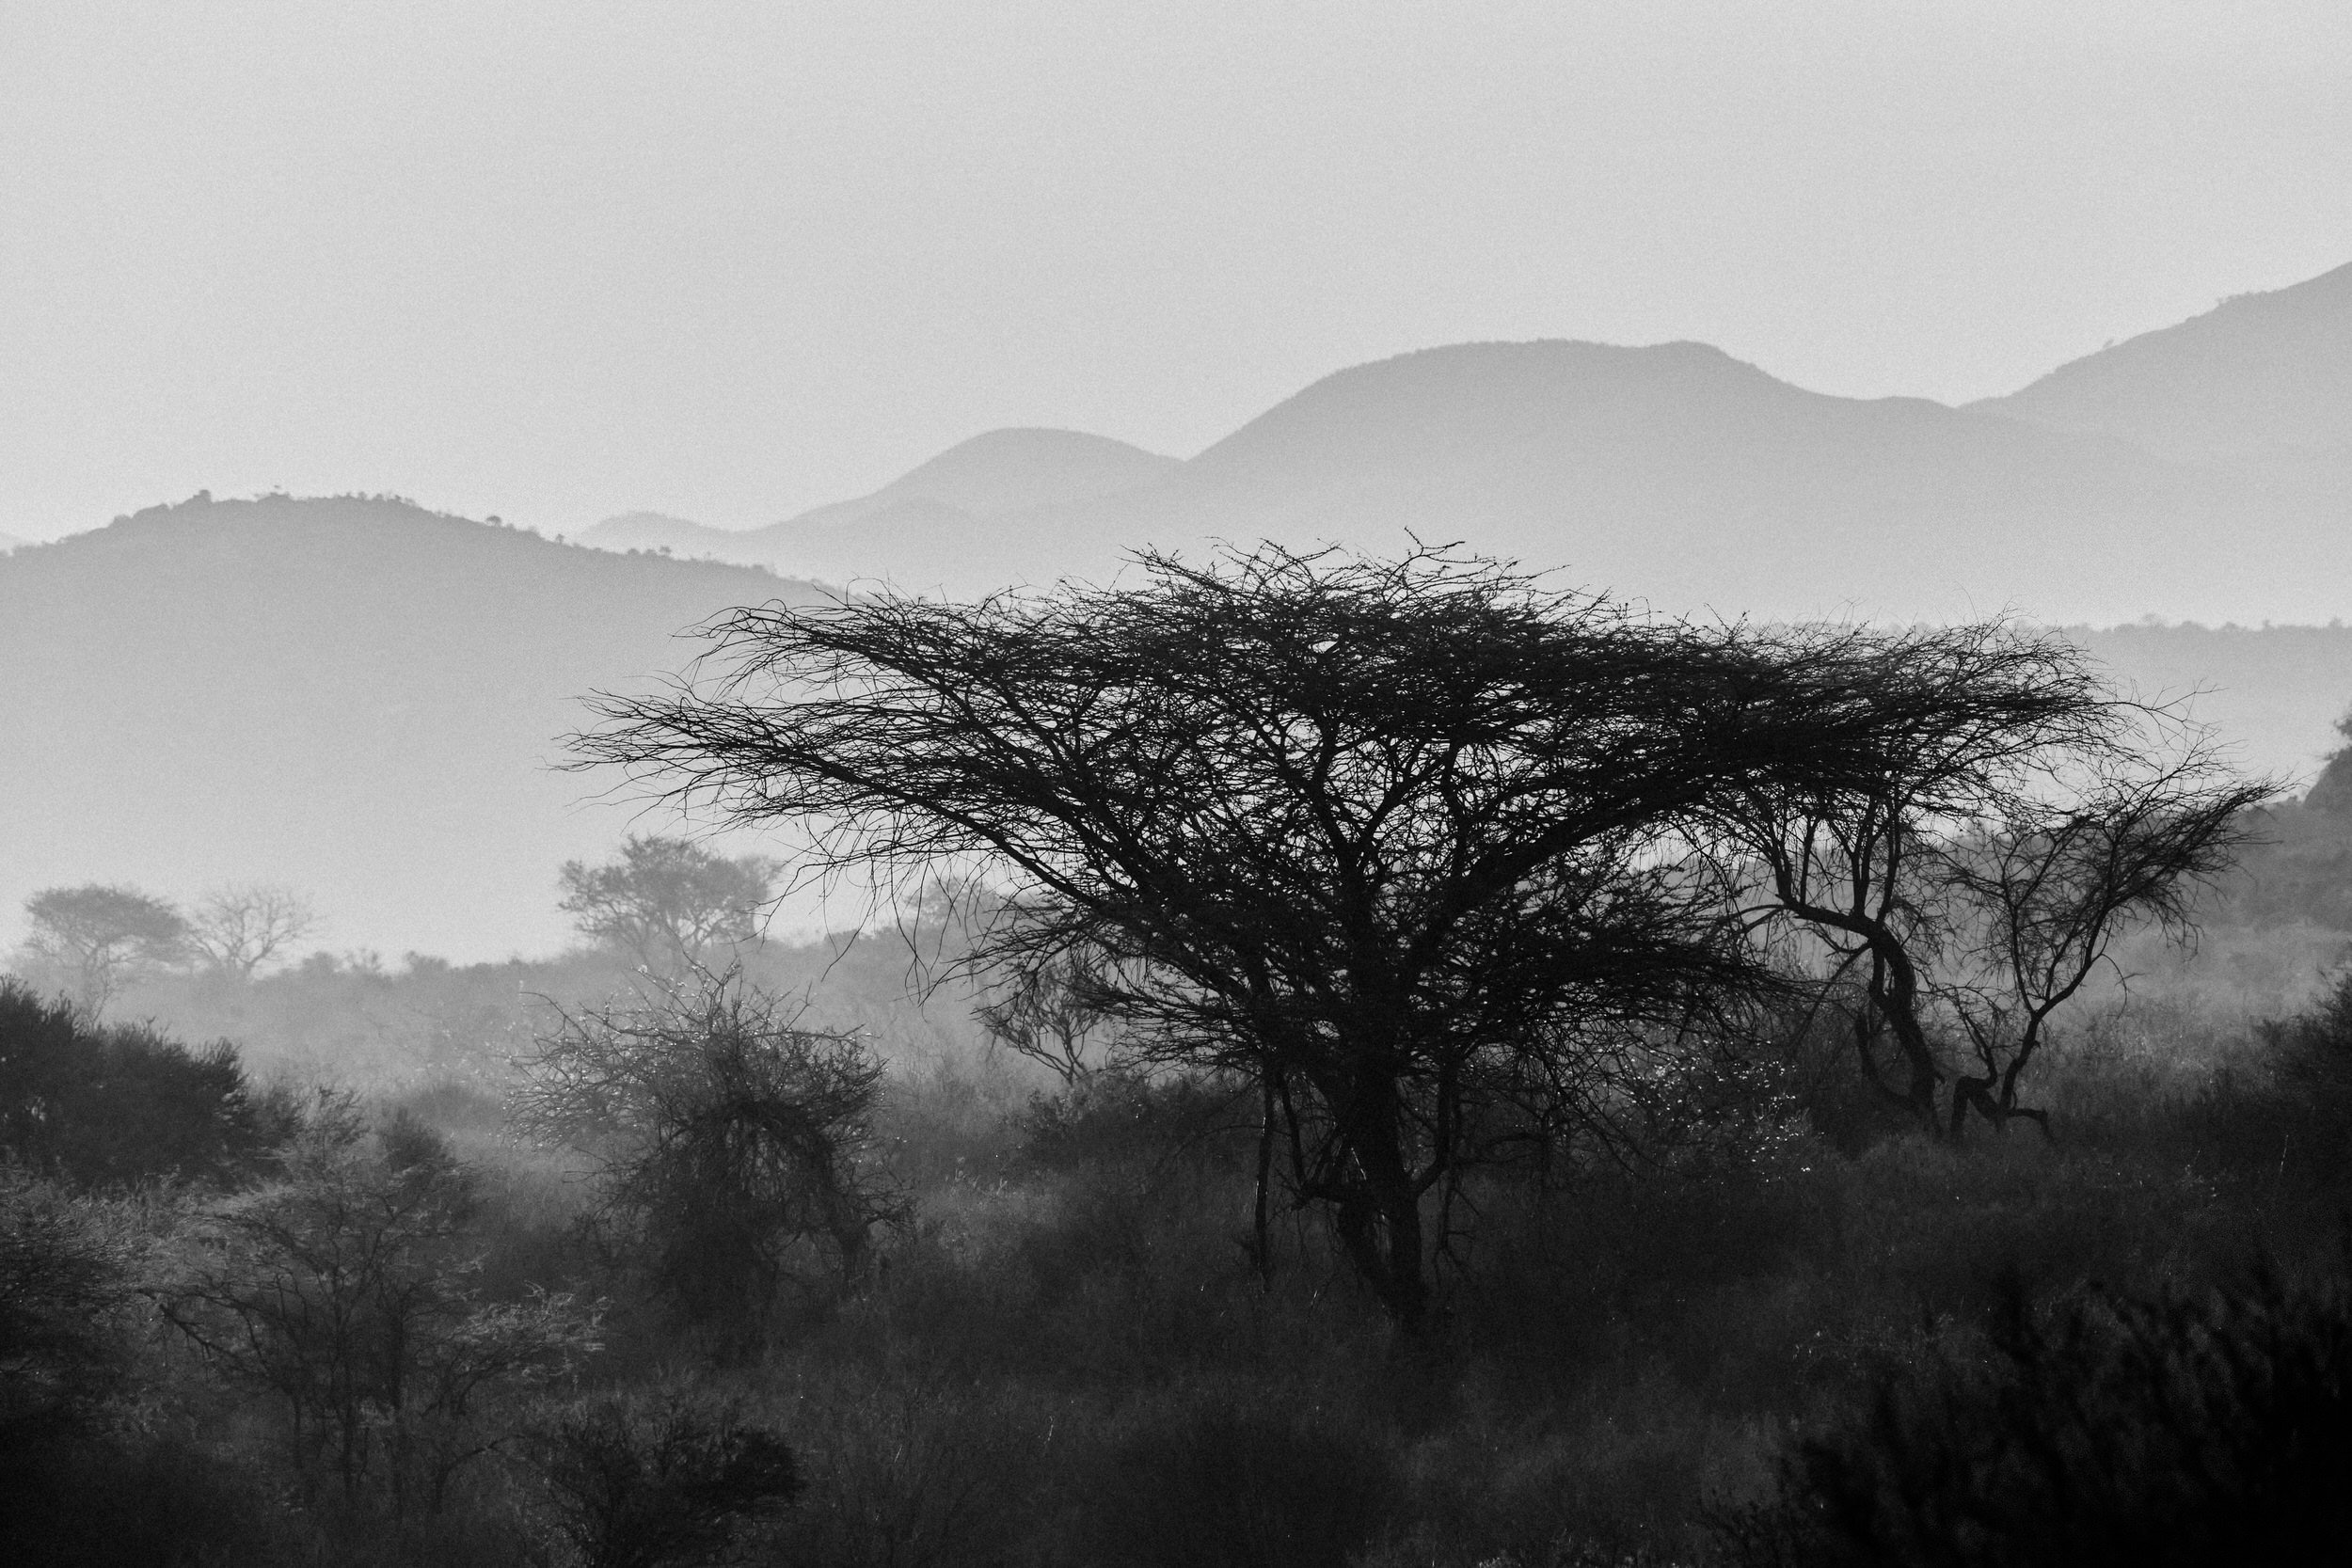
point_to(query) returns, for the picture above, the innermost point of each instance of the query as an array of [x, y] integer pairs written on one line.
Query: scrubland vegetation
[[692, 1247]]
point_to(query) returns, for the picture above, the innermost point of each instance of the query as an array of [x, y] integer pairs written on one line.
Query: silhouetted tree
[[99, 938], [97, 1105], [669, 902], [729, 1138], [2008, 817], [2046, 888], [241, 927], [1372, 834]]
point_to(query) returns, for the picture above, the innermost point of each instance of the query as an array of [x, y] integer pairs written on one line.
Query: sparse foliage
[[2045, 891], [241, 927], [731, 1142], [1971, 872]]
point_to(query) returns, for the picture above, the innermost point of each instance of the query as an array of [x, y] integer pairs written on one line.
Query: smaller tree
[[2047, 889], [341, 1289], [240, 927], [98, 938], [731, 1141], [668, 902]]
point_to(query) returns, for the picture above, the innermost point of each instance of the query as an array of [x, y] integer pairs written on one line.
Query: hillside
[[954, 504], [355, 697], [1674, 474], [1684, 477], [2261, 384]]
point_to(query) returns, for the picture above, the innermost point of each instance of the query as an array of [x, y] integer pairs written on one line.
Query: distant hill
[[357, 697], [362, 699], [1672, 474], [2261, 384], [8, 542], [947, 503], [1680, 475], [659, 532]]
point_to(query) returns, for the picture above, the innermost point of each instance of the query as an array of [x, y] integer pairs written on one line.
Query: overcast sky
[[554, 259]]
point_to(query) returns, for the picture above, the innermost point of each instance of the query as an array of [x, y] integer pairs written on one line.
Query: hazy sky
[[554, 259]]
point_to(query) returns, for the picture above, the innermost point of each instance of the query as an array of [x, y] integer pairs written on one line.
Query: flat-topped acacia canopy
[[1391, 837]]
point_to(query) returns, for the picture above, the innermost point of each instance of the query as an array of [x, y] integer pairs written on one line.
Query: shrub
[[1115, 1116], [2172, 1429], [919, 1470], [118, 1104], [341, 1290], [734, 1145], [1215, 1485], [79, 1484], [643, 1482]]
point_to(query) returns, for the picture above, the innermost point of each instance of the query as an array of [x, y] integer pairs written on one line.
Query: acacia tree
[[100, 937], [2011, 816], [2048, 888], [669, 902], [1368, 833], [240, 927]]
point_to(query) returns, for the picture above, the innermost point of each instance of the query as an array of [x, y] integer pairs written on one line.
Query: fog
[[1374, 785]]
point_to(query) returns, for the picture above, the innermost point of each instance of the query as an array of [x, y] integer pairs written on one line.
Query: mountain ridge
[[1675, 473], [2262, 382]]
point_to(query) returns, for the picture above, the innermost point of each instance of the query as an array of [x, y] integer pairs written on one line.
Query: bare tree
[[2006, 825], [97, 938], [1356, 831], [730, 1141], [240, 927], [2052, 884], [669, 902]]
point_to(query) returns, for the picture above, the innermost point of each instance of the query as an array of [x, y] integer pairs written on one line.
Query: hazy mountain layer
[[359, 698], [1684, 476], [950, 500], [659, 532], [2262, 382], [364, 700], [2118, 488]]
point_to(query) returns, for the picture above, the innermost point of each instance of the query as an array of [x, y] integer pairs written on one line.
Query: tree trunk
[[1380, 1210]]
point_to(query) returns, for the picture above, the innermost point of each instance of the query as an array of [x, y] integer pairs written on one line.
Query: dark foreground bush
[[650, 1483], [1213, 1486], [80, 1482], [98, 1500], [2178, 1429], [117, 1104]]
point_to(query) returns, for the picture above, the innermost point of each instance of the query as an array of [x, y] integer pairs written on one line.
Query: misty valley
[[1088, 1008]]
